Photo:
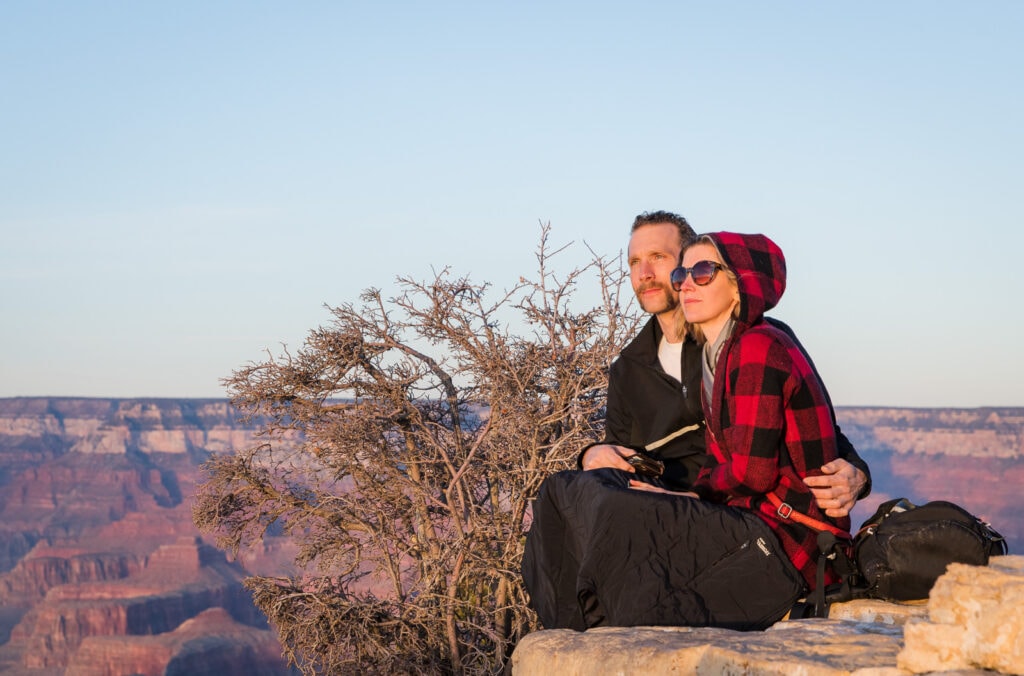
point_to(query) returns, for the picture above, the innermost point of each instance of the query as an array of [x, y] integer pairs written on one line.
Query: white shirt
[[671, 357]]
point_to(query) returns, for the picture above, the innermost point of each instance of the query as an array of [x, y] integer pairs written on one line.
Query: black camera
[[645, 464]]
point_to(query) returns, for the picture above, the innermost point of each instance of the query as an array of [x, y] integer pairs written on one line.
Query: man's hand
[[608, 455], [836, 490]]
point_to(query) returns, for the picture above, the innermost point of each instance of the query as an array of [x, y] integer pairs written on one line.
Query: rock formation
[[211, 643], [96, 537], [178, 582], [113, 426], [974, 457], [972, 621], [975, 621]]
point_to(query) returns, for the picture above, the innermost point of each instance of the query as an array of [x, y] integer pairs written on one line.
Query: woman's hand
[[650, 488]]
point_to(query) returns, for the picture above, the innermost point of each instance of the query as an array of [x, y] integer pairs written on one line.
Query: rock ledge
[[974, 620]]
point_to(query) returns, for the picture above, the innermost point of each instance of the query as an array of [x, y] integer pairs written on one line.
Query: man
[[654, 388]]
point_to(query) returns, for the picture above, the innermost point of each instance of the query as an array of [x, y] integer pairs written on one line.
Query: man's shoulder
[[779, 324], [645, 343]]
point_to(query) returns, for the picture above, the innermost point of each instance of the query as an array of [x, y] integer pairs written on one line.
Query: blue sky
[[185, 185]]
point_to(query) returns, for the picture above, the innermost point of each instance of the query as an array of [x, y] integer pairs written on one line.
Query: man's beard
[[667, 301]]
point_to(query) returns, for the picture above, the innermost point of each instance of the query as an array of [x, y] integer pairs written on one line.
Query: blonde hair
[[682, 326]]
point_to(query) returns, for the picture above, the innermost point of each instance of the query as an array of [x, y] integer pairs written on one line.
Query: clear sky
[[184, 185]]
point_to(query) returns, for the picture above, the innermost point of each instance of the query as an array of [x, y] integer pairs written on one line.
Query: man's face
[[653, 253]]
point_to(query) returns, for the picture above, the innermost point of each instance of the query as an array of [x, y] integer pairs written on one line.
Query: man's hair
[[686, 233]]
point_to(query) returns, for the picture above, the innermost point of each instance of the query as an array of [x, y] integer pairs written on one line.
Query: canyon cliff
[[973, 457], [102, 570]]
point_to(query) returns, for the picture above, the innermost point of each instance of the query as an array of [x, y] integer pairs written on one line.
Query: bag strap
[[785, 511], [830, 552], [819, 601]]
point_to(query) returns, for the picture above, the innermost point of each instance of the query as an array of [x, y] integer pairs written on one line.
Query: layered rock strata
[[179, 581], [210, 644]]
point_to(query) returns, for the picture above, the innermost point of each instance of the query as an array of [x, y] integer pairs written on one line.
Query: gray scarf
[[710, 357]]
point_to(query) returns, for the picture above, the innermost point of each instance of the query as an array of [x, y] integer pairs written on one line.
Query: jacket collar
[[644, 348]]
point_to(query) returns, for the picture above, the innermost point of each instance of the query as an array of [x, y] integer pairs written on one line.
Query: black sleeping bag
[[601, 554]]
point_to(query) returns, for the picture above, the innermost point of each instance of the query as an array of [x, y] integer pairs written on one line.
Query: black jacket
[[650, 410]]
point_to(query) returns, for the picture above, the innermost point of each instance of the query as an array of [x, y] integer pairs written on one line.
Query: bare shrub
[[401, 448]]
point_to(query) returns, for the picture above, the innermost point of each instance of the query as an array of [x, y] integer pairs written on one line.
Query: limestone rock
[[972, 622], [878, 612], [826, 647], [975, 620]]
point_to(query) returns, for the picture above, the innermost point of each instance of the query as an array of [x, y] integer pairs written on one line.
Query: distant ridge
[[971, 456]]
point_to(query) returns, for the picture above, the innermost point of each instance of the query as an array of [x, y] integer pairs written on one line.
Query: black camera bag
[[903, 549]]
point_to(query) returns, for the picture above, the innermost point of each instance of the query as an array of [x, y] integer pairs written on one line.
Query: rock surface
[[973, 621]]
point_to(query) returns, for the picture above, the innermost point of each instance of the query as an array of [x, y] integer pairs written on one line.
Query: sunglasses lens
[[678, 277], [703, 272]]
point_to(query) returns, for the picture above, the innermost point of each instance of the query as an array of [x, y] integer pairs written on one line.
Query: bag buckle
[[784, 510]]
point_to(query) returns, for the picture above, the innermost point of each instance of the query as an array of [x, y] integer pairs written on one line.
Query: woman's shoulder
[[767, 332], [772, 346], [772, 343]]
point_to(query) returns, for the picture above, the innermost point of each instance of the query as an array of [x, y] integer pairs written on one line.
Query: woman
[[768, 419]]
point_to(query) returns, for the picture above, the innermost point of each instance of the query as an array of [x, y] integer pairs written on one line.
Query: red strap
[[785, 511]]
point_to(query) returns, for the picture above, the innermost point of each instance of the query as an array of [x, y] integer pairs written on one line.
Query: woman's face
[[708, 306]]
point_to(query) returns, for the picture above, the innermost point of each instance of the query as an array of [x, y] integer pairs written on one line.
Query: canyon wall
[[100, 561], [101, 568], [973, 457]]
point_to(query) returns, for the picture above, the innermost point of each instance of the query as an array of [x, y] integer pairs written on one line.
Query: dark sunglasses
[[703, 273]]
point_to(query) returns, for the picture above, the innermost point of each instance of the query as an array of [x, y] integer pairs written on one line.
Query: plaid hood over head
[[760, 269]]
